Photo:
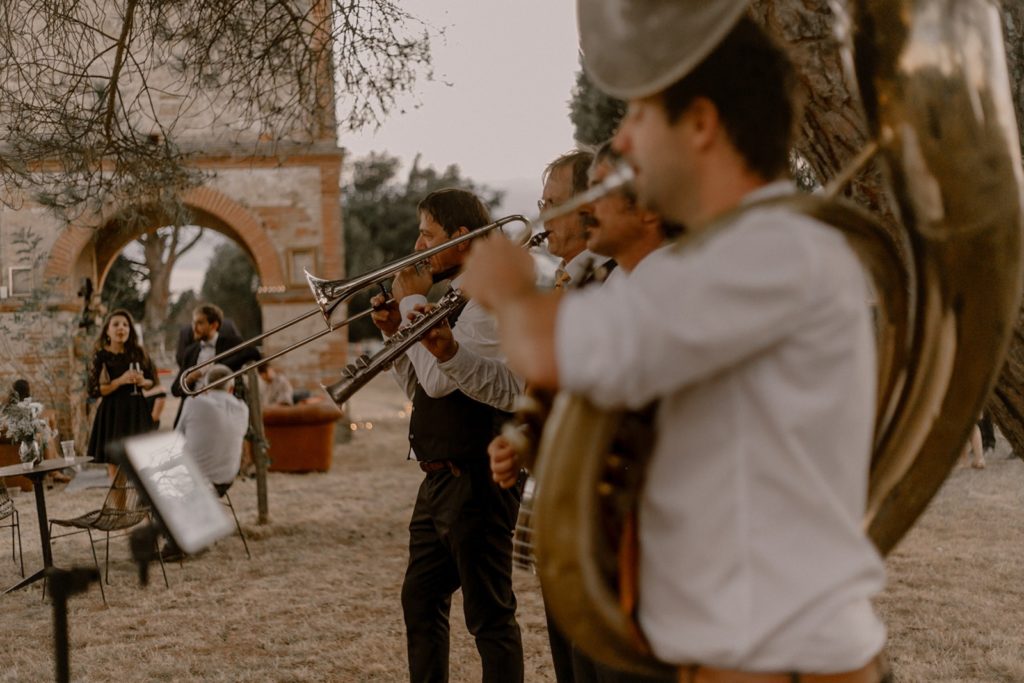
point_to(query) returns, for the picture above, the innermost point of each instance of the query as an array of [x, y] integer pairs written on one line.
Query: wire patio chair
[[10, 513], [122, 509]]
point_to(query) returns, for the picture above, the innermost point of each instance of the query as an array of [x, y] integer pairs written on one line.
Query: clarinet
[[358, 373]]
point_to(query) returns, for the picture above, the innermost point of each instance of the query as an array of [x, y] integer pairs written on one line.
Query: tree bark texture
[[1007, 401], [833, 130]]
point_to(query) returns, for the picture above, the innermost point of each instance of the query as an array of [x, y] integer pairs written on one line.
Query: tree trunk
[[161, 250], [833, 131], [1007, 401]]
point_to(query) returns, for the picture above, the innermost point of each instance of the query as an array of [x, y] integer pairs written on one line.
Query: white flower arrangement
[[21, 421]]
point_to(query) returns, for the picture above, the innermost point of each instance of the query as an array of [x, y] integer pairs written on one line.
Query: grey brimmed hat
[[635, 48]]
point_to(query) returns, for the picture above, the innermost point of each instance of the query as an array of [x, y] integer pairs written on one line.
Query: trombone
[[329, 294]]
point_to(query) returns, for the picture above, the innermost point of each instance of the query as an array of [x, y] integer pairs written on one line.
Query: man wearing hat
[[753, 335]]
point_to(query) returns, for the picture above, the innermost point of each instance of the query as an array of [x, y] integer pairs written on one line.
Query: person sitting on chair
[[214, 424]]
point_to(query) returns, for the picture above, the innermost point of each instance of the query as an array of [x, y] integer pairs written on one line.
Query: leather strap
[[875, 671]]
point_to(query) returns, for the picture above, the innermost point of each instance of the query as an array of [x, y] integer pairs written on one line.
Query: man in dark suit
[[209, 341], [186, 338]]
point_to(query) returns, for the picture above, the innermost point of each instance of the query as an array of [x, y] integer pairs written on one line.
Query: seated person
[[214, 424], [275, 389]]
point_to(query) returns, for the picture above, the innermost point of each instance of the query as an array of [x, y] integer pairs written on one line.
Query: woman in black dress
[[121, 370]]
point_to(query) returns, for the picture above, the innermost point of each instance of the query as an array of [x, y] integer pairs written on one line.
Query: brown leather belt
[[875, 671], [430, 466]]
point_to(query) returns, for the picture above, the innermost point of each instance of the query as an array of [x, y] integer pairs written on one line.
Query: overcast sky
[[498, 105]]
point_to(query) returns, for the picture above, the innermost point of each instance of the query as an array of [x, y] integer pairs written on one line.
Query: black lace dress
[[121, 412]]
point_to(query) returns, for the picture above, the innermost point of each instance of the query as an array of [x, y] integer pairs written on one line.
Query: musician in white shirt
[[754, 336]]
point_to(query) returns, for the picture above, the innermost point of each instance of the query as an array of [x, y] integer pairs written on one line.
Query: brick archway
[[242, 225]]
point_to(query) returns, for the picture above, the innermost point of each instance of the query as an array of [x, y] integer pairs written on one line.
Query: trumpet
[[330, 294]]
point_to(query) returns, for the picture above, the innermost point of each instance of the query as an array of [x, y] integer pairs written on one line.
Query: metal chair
[[122, 509], [9, 512], [227, 501]]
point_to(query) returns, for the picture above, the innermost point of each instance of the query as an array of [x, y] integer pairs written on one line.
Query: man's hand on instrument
[[504, 462], [439, 340], [414, 280], [497, 271], [385, 316]]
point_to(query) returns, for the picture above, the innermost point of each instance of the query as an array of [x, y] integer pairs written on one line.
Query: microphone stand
[[64, 583]]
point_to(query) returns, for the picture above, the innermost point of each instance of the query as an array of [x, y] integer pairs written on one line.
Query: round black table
[[36, 475]]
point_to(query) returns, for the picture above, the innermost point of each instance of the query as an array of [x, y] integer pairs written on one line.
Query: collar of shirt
[[778, 188], [578, 266]]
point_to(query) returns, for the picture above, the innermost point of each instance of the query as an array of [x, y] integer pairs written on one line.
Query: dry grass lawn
[[319, 601]]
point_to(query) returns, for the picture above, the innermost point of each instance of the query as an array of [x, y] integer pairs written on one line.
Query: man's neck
[[721, 188], [637, 250]]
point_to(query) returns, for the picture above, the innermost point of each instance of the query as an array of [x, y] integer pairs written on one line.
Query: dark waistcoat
[[453, 427]]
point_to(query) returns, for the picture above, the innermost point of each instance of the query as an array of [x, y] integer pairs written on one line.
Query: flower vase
[[29, 453]]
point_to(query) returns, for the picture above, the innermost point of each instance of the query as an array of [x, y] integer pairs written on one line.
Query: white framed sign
[[19, 280]]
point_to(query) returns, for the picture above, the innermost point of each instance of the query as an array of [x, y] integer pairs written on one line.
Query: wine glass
[[134, 367]]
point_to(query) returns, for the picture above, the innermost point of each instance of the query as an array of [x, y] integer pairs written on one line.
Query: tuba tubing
[[935, 92]]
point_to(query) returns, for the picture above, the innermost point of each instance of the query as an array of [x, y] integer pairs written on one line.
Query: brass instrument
[[330, 294], [358, 373], [936, 97]]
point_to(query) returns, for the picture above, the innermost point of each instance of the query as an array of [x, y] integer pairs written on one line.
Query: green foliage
[[380, 216], [123, 288], [594, 115], [231, 283]]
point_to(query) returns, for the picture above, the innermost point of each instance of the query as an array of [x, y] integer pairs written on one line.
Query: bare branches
[[107, 99]]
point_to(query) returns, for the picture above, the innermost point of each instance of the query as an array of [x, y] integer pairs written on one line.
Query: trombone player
[[752, 333], [460, 535]]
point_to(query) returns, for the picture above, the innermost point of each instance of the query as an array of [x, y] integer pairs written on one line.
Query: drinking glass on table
[[68, 449]]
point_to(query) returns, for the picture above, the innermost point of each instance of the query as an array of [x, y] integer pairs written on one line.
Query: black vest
[[453, 427]]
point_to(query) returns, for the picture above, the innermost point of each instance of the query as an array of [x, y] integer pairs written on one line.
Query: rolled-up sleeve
[[487, 380], [478, 368], [681, 317]]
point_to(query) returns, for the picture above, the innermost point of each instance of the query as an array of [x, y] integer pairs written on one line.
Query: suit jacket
[[224, 342], [185, 339], [235, 361]]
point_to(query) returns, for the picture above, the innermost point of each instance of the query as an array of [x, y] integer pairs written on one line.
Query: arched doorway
[[285, 214]]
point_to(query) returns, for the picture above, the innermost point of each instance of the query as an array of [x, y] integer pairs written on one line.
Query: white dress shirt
[[477, 369], [758, 343], [214, 424], [207, 348], [579, 266]]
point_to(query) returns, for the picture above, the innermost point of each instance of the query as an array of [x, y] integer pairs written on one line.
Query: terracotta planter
[[301, 437]]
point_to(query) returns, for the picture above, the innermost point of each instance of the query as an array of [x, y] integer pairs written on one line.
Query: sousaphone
[[935, 93]]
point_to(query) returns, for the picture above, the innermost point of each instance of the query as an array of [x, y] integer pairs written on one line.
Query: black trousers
[[460, 536], [573, 665]]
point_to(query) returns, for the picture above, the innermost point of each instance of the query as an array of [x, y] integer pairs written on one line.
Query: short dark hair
[[20, 390], [212, 313], [580, 160], [452, 208], [751, 81]]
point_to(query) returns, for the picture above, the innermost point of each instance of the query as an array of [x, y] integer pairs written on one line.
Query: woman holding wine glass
[[121, 371]]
